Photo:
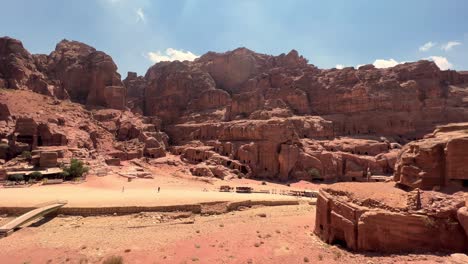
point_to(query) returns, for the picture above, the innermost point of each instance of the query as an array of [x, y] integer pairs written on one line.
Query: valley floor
[[279, 234], [258, 235]]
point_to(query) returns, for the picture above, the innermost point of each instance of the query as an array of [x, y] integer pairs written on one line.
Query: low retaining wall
[[123, 210]]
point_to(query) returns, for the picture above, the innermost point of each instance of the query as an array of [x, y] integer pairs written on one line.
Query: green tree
[[76, 169], [36, 176], [16, 177]]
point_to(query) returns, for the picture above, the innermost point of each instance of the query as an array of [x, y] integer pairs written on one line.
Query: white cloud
[[441, 62], [339, 66], [427, 46], [385, 63], [449, 45], [140, 15], [171, 55]]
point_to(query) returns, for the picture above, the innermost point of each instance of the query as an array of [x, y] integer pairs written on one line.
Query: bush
[[26, 155], [36, 176], [16, 177], [314, 173], [75, 170]]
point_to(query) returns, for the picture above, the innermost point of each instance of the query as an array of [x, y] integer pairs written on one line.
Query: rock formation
[[54, 130], [286, 119], [379, 217], [440, 159], [262, 116], [73, 70]]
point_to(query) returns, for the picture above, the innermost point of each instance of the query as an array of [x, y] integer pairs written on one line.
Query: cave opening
[[25, 139], [39, 141], [340, 242], [465, 183], [244, 170]]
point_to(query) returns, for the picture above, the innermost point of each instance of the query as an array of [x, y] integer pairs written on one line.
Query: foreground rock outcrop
[[379, 217]]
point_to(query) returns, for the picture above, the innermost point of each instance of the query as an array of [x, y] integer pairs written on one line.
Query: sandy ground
[[116, 191], [177, 187], [284, 235]]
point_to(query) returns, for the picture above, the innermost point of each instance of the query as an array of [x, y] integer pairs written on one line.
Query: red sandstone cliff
[[265, 116], [234, 98], [73, 70]]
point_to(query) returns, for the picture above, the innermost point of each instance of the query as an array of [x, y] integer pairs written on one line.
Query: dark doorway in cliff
[[339, 242], [465, 183], [25, 139], [244, 170], [39, 141]]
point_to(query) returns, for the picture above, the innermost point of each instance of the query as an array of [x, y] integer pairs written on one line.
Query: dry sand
[[283, 236]]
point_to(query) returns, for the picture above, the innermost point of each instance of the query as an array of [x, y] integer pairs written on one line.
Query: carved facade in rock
[[360, 222]]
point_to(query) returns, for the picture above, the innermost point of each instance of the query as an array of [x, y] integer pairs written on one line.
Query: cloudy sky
[[332, 33]]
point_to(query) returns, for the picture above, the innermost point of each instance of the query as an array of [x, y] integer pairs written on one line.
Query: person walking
[[123, 188], [159, 188]]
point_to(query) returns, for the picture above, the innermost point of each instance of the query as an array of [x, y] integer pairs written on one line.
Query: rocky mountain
[[282, 118], [73, 70], [255, 115]]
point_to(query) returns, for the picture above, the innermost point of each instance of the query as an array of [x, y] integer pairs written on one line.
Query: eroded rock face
[[387, 221], [73, 70], [332, 120], [136, 86], [82, 133], [277, 116], [437, 160], [172, 86], [89, 76], [18, 70]]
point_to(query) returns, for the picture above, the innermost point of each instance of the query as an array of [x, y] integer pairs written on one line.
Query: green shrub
[[36, 176], [314, 173], [75, 170], [16, 177], [26, 155]]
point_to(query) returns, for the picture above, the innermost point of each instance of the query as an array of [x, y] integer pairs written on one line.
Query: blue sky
[[137, 33]]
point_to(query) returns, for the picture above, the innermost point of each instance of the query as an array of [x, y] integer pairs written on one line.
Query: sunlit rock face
[[286, 119], [73, 70]]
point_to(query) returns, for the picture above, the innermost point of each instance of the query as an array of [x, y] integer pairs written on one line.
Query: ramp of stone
[[9, 227]]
